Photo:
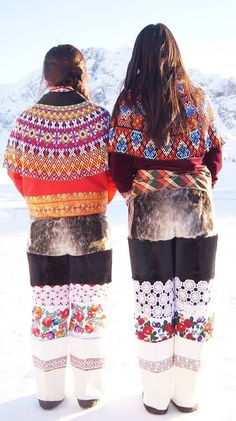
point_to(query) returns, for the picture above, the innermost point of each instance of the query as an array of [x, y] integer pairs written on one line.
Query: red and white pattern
[[194, 316], [154, 330], [128, 135], [88, 294], [59, 143], [188, 363], [51, 311], [156, 366], [50, 365], [87, 320], [87, 363], [51, 295]]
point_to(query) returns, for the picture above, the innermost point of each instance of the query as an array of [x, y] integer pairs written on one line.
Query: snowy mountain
[[106, 72]]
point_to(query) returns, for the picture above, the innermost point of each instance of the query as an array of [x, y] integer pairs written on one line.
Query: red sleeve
[[122, 170], [213, 161], [17, 180]]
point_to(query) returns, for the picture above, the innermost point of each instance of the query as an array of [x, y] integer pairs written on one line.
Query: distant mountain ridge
[[106, 72]]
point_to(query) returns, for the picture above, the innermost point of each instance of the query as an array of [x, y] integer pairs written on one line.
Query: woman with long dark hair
[[165, 154], [57, 157]]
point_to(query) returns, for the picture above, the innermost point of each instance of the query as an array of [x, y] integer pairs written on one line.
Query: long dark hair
[[64, 65], [152, 75]]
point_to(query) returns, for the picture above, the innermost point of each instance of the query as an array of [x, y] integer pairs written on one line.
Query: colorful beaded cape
[[59, 143], [127, 134]]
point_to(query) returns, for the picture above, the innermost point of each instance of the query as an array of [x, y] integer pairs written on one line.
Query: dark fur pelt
[[75, 236], [165, 214]]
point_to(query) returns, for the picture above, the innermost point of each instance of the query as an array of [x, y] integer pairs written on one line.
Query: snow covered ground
[[123, 398]]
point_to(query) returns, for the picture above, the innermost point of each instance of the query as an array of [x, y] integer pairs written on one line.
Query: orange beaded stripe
[[67, 204]]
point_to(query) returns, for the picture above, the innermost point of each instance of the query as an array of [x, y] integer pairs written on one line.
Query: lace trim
[[88, 294], [188, 363], [50, 364], [154, 300], [193, 293], [51, 295], [88, 363], [59, 295], [156, 366], [196, 311]]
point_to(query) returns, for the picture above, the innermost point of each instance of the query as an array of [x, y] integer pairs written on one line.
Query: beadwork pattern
[[127, 133], [59, 142]]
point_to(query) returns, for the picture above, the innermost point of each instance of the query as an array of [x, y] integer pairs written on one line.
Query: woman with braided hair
[[57, 158]]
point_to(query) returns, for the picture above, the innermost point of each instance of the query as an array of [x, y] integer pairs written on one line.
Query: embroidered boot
[[87, 342], [50, 359], [87, 363], [156, 364], [186, 374]]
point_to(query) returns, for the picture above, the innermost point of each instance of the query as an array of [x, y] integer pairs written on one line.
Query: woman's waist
[[67, 204], [157, 179]]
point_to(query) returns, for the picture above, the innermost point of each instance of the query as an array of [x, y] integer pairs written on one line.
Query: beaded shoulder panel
[[127, 134], [59, 142]]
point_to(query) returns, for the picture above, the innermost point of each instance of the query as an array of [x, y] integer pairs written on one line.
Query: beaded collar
[[60, 88]]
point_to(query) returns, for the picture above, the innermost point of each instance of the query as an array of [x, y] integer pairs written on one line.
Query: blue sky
[[204, 29]]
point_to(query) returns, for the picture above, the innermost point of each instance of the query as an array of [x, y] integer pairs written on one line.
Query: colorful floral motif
[[88, 319], [160, 314], [200, 121], [190, 110], [197, 330], [136, 137], [182, 150], [150, 150], [121, 144], [48, 324], [195, 138], [150, 330], [166, 149]]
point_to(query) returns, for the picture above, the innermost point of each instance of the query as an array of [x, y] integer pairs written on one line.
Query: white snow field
[[123, 397]]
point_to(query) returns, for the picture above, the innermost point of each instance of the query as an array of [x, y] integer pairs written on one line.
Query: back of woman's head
[[155, 57], [152, 75], [64, 65]]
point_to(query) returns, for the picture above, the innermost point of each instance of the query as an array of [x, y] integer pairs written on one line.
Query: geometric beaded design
[[128, 135], [188, 363], [59, 142], [67, 204], [156, 366], [177, 360], [87, 363], [50, 364]]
